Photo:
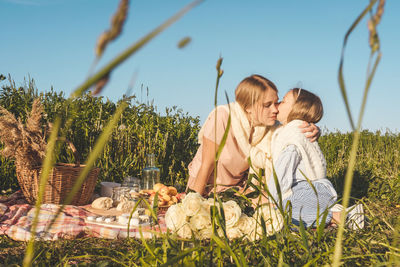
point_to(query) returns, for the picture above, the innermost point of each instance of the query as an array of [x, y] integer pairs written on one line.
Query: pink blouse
[[232, 165]]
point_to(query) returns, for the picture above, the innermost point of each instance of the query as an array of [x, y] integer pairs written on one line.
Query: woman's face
[[265, 111], [285, 107]]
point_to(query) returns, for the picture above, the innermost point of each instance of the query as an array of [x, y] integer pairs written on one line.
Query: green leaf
[[226, 247], [303, 235], [181, 255]]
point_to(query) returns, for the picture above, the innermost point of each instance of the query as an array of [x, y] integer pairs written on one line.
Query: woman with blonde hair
[[253, 118]]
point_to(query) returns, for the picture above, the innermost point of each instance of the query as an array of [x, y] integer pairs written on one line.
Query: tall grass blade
[[340, 76], [278, 189], [353, 153], [303, 235], [96, 152], [280, 262], [242, 257], [367, 86], [321, 226], [352, 160], [227, 248], [316, 195], [46, 168], [220, 217], [151, 208], [130, 215], [219, 75], [225, 136], [148, 248], [181, 255], [314, 260]]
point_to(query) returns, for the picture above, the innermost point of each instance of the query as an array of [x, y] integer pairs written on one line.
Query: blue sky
[[293, 43]]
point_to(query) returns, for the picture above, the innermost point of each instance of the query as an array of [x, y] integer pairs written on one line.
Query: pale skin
[[264, 112]]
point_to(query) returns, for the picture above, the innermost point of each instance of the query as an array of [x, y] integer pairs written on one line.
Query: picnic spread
[[16, 217], [116, 214]]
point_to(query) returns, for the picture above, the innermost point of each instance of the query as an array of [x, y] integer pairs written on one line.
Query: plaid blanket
[[16, 219]]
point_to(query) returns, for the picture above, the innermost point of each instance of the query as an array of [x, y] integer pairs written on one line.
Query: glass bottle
[[150, 174]]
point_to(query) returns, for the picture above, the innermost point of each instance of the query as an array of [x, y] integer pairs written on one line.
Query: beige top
[[232, 165]]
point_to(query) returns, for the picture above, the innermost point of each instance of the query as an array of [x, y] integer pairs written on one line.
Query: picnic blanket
[[16, 217]]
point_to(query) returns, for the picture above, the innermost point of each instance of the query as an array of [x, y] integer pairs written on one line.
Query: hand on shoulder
[[310, 130]]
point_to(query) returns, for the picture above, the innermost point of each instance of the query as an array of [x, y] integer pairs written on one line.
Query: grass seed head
[[373, 23], [184, 42], [117, 23]]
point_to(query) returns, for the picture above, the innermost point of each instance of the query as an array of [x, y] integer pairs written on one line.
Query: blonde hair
[[307, 106], [250, 90]]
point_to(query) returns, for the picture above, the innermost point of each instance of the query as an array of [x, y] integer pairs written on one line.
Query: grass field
[[376, 184]]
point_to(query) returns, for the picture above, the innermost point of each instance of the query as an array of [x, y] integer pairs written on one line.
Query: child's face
[[285, 107]]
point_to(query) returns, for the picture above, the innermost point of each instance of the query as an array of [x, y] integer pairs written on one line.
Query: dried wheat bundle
[[25, 143]]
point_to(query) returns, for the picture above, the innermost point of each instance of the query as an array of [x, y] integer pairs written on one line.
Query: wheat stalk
[[25, 143]]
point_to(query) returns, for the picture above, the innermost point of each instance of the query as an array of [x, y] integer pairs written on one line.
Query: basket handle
[[73, 149]]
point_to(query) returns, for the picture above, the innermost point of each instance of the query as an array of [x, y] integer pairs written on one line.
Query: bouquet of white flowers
[[192, 217]]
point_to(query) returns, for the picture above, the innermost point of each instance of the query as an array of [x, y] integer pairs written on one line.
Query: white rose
[[232, 213], [233, 232], [191, 204], [176, 220], [205, 233], [201, 220], [208, 203], [184, 231], [272, 217], [256, 234], [247, 225], [175, 217]]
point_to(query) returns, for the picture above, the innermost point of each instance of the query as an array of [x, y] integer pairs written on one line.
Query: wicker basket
[[60, 182]]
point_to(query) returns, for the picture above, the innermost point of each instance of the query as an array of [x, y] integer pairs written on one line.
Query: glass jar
[[119, 192], [132, 182], [150, 174]]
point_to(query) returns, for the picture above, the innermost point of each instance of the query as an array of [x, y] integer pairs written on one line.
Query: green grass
[[371, 246], [376, 183], [141, 130], [377, 170]]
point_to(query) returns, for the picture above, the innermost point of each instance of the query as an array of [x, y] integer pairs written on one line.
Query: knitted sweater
[[311, 154]]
